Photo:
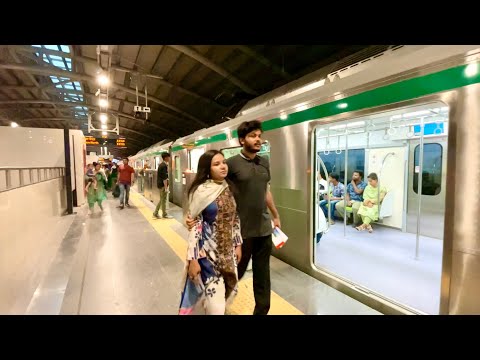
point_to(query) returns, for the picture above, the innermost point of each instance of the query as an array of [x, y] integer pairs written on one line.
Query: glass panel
[[178, 169], [335, 162], [51, 47], [57, 60], [432, 169], [194, 157]]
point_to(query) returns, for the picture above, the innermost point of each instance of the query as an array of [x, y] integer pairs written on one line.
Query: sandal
[[369, 228], [361, 227]]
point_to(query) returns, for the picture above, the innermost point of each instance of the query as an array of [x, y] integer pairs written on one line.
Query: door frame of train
[[413, 143], [374, 300]]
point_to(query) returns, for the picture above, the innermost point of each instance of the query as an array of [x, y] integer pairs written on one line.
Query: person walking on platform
[[214, 242], [98, 194], [162, 184], [250, 174], [125, 180], [112, 179]]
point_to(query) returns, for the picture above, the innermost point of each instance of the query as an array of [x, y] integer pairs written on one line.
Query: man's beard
[[251, 149]]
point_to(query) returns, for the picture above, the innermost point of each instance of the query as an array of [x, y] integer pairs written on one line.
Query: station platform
[[120, 262]]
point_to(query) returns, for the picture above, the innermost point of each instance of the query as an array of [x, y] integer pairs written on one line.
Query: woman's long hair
[[203, 171]]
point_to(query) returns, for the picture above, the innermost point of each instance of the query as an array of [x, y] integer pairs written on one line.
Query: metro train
[[410, 114]]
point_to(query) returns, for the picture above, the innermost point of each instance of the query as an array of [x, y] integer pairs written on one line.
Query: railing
[[17, 177]]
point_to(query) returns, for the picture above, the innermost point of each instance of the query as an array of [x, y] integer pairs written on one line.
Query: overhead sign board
[[93, 141]]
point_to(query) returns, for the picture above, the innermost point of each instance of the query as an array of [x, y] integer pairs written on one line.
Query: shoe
[[127, 205], [332, 222], [120, 207], [156, 216], [167, 216]]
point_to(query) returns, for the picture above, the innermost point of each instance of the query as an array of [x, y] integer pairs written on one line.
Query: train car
[[147, 178], [395, 113]]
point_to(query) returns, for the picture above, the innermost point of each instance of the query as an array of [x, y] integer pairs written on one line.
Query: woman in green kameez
[[99, 194], [369, 208], [112, 179]]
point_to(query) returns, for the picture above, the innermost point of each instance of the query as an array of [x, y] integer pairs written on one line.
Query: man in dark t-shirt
[[162, 184], [250, 173]]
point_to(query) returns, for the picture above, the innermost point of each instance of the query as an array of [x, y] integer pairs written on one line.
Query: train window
[[432, 169], [194, 157], [157, 161], [335, 163], [178, 169], [228, 153], [264, 151]]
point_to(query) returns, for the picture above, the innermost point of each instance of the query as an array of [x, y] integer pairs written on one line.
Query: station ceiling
[[188, 87]]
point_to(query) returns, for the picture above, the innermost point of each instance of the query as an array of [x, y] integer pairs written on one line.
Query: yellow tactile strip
[[244, 302]]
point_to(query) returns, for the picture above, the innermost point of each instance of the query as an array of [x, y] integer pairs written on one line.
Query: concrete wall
[[30, 218], [31, 147]]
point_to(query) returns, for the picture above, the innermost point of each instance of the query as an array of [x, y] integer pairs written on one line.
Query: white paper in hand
[[278, 237]]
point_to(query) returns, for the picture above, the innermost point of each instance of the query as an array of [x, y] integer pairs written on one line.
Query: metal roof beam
[[263, 60], [41, 93], [68, 119], [87, 60], [153, 109], [75, 104], [219, 70], [38, 90], [43, 70]]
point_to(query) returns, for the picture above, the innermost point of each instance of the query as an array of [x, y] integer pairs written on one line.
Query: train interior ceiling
[[401, 260]]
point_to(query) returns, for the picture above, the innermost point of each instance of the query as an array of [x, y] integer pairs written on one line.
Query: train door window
[[194, 157], [178, 168], [389, 234], [432, 169], [157, 161]]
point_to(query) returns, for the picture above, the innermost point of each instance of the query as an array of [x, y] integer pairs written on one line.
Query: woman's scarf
[[204, 195], [371, 192]]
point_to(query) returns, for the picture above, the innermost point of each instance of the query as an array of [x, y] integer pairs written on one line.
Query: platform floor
[[127, 262]]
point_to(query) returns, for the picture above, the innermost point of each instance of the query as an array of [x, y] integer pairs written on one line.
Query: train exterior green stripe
[[209, 140], [404, 90]]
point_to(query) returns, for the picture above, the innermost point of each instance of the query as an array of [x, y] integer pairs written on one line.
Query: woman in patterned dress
[[214, 242]]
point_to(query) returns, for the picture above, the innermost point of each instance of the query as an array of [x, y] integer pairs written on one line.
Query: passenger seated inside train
[[337, 190], [369, 208], [322, 184], [353, 198]]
